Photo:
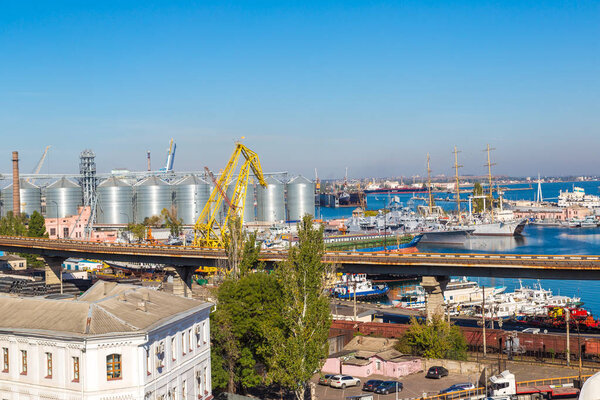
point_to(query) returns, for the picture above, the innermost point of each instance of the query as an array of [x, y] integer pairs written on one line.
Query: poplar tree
[[298, 345]]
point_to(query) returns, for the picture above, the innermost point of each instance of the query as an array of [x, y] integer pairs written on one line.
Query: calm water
[[535, 240]]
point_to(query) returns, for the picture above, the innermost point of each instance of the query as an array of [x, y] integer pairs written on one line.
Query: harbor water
[[535, 240]]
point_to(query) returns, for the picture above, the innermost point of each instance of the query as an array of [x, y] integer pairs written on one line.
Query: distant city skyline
[[324, 85]]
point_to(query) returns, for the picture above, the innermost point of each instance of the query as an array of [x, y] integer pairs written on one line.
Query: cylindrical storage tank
[[270, 201], [115, 202], [31, 198], [249, 212], [191, 195], [152, 195], [63, 199], [300, 198]]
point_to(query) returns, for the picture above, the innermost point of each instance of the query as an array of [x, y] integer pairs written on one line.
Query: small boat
[[358, 286]]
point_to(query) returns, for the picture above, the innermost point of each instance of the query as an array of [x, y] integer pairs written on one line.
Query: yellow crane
[[209, 231]]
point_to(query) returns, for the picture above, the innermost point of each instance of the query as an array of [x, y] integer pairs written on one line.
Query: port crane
[[208, 230], [38, 167]]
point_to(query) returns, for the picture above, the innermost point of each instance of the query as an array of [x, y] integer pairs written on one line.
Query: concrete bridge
[[437, 266]]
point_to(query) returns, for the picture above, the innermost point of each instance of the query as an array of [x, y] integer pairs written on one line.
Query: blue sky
[[372, 86]]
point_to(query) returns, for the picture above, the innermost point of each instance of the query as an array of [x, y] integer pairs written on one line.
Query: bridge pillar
[[434, 287], [182, 281], [53, 271]]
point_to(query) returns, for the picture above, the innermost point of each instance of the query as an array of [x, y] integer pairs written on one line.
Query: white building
[[116, 341]]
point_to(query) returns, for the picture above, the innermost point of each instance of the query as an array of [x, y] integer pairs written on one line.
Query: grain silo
[[152, 194], [115, 202], [63, 199], [270, 201], [191, 195], [30, 195], [300, 198]]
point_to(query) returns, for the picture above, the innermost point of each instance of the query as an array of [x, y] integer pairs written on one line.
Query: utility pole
[[456, 167], [483, 323], [489, 165], [355, 301], [429, 186], [567, 319]]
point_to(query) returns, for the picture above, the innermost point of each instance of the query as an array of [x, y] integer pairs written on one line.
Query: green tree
[[246, 308], [138, 230], [154, 221], [233, 241], [36, 226], [478, 202], [298, 346], [171, 221], [12, 225], [437, 339]]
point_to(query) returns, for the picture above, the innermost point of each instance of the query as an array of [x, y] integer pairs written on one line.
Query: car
[[343, 381], [457, 387], [324, 379], [436, 372], [371, 384], [388, 387], [535, 331]]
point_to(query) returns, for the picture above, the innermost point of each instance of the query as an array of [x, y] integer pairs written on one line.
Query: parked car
[[535, 331], [388, 387], [436, 372], [343, 381], [371, 384], [324, 380], [457, 387]]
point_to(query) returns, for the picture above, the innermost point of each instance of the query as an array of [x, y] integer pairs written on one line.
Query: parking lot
[[415, 385]]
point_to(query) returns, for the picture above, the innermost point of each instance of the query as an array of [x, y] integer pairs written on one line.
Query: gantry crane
[[209, 231]]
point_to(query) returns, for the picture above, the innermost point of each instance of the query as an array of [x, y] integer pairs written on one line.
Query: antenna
[[489, 165], [429, 186], [540, 198], [456, 167]]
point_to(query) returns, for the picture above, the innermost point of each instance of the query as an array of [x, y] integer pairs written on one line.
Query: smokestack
[[149, 168], [16, 186]]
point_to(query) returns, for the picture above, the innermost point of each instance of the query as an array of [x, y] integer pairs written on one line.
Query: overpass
[[184, 260]]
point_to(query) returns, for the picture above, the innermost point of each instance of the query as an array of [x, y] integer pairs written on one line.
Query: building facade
[[114, 342]]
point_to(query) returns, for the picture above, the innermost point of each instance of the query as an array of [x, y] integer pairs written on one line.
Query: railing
[[551, 381], [461, 394]]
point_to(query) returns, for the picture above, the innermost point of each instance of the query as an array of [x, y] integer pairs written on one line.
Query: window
[[204, 332], [183, 343], [183, 387], [75, 369], [190, 339], [205, 379], [173, 346], [113, 366], [148, 366], [23, 362], [49, 365], [66, 232], [52, 231], [5, 359]]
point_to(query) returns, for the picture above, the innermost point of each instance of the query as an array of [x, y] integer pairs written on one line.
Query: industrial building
[[116, 341], [131, 197]]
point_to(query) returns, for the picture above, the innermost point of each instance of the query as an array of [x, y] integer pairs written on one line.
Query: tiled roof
[[106, 308]]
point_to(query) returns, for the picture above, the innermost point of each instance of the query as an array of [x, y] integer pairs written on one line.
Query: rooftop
[[105, 308]]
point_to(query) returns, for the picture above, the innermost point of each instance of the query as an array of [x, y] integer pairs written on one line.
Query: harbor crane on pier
[[209, 231]]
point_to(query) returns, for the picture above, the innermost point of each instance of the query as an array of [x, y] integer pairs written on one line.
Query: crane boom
[[208, 231], [38, 167]]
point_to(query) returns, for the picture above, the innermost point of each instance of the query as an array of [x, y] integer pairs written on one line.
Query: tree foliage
[[298, 345], [478, 202], [36, 226], [437, 339], [138, 230], [171, 221], [13, 225], [154, 221]]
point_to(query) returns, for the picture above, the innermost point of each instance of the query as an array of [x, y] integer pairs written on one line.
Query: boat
[[372, 242], [499, 223], [460, 291], [357, 286], [577, 197], [396, 190]]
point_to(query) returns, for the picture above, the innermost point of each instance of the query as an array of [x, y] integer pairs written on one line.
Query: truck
[[503, 386]]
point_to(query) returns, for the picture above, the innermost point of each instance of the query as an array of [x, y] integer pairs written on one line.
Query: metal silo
[[249, 212], [63, 197], [300, 198], [270, 201], [191, 195], [31, 198], [115, 202], [152, 195]]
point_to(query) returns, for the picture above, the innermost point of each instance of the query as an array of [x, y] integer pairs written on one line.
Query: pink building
[[553, 213], [366, 356], [73, 227]]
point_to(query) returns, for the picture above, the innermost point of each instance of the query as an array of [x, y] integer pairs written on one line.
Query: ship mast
[[489, 165], [429, 186], [456, 167]]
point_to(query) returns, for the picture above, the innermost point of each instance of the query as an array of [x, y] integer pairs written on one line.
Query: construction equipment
[[209, 231], [170, 157], [38, 167]]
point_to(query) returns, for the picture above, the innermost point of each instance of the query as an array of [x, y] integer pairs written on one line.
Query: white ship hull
[[512, 228]]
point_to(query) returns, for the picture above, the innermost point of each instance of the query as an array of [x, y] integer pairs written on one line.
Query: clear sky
[[372, 86]]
